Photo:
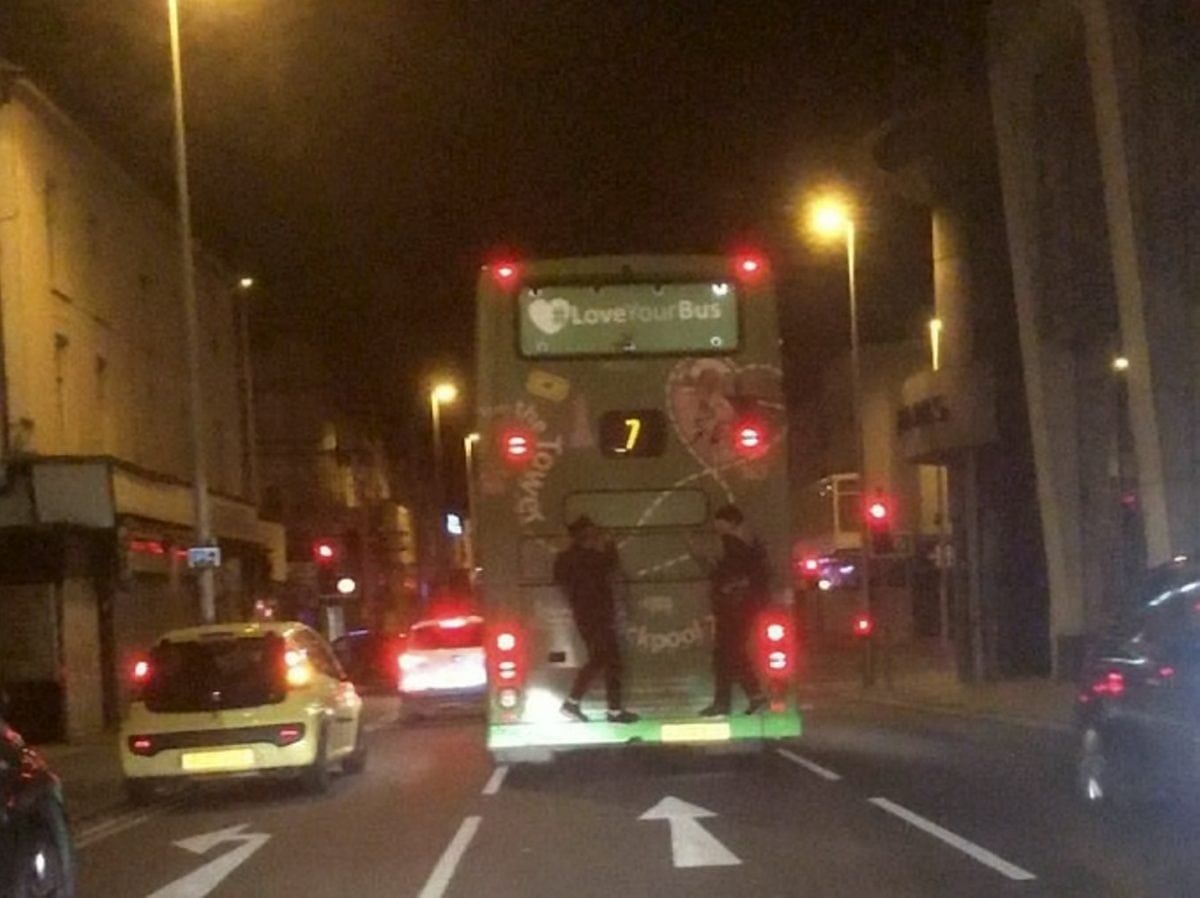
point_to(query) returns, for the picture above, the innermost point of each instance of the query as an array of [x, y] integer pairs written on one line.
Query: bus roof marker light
[[720, 289], [505, 273]]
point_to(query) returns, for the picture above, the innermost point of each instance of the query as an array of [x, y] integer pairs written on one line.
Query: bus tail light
[[505, 274], [749, 267], [776, 645], [506, 665], [750, 439], [517, 446]]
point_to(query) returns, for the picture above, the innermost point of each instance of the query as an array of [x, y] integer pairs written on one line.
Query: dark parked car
[[1139, 699], [371, 659], [36, 855]]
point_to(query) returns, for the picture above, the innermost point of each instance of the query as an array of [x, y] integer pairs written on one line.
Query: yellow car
[[229, 700]]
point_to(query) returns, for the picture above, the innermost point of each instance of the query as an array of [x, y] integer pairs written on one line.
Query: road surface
[[872, 801]]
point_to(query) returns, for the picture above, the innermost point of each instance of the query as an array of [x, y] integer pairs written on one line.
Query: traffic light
[[327, 553], [879, 525]]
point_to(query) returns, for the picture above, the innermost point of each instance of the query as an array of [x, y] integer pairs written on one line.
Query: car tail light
[[453, 623], [289, 734], [141, 745], [1112, 683], [506, 642], [299, 670]]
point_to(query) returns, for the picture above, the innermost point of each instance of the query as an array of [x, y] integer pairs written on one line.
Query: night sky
[[362, 157]]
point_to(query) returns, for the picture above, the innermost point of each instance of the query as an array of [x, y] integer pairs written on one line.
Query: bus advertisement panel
[[644, 393]]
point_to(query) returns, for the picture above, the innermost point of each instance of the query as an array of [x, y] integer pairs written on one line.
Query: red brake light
[[517, 446], [776, 632], [877, 511], [811, 565], [141, 745], [863, 625], [749, 437], [749, 266], [289, 734], [141, 671], [323, 551], [1112, 683], [505, 273]]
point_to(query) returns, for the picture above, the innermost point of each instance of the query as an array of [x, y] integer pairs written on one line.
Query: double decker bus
[[644, 392]]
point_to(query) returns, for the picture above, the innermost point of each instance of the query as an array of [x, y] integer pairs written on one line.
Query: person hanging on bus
[[740, 592], [585, 572]]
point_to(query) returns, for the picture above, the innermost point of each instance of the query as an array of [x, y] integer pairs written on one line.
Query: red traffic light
[[517, 445], [878, 512], [863, 625]]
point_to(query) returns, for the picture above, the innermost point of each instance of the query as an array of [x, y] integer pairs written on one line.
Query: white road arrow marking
[[691, 844], [201, 882]]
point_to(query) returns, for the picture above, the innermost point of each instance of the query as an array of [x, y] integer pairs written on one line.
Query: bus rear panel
[[644, 393]]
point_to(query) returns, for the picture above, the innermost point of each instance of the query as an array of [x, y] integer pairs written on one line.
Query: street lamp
[[442, 393], [245, 282], [831, 219], [203, 521]]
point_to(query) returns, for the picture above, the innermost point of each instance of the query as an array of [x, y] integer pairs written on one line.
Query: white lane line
[[496, 780], [439, 879], [105, 829], [985, 857], [811, 766]]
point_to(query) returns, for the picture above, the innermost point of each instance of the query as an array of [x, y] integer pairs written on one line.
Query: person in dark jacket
[[585, 571], [740, 591]]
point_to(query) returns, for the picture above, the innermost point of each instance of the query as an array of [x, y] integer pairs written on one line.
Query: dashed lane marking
[[811, 766], [496, 780], [967, 847], [112, 826], [439, 879]]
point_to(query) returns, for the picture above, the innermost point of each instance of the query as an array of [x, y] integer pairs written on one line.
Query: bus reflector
[[506, 642]]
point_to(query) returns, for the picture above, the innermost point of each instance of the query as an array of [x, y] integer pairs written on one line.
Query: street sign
[[200, 557]]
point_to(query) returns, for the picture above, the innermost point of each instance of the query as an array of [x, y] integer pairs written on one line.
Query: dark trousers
[[731, 662], [604, 654]]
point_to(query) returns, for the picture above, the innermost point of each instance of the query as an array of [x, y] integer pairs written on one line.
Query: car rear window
[[441, 636], [216, 674]]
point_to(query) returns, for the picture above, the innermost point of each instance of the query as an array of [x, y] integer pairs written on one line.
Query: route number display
[[638, 433]]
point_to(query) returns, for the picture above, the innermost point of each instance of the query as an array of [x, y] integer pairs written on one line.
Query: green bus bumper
[[696, 731]]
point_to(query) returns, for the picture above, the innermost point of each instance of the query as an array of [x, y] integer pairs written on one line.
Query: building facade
[[1096, 105], [95, 451], [330, 480]]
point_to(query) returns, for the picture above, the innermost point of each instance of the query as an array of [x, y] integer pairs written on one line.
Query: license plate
[[225, 759], [695, 732]]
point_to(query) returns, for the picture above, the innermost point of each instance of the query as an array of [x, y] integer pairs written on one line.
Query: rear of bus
[[644, 392]]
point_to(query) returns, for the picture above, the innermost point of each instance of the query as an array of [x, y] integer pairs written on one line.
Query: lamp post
[[943, 491], [201, 511], [831, 219], [469, 442], [442, 393]]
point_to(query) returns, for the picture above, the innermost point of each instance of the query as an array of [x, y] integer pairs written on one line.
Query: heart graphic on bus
[[549, 315], [710, 398]]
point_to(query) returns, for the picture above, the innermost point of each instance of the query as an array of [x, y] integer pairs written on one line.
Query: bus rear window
[[627, 319]]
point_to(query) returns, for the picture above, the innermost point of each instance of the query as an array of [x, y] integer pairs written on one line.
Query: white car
[[442, 667]]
